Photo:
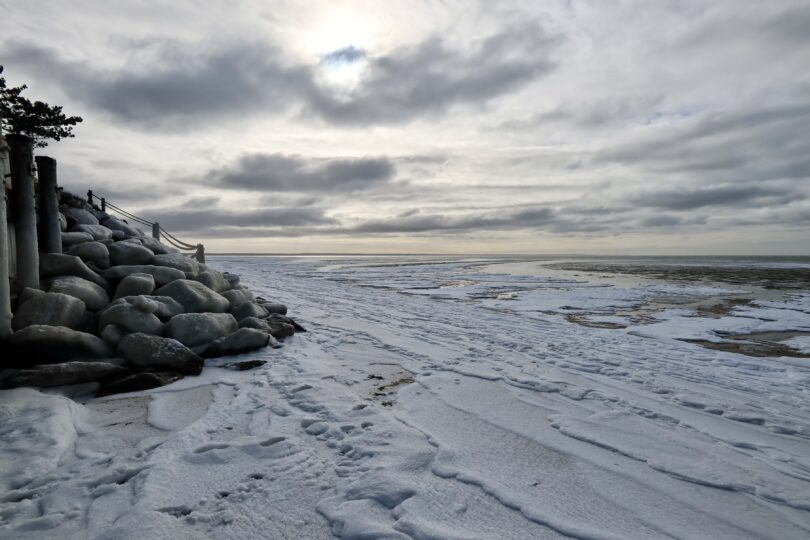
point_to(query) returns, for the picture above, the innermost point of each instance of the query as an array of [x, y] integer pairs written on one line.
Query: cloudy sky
[[434, 126]]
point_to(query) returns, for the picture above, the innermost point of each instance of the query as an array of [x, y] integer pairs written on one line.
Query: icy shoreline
[[518, 423]]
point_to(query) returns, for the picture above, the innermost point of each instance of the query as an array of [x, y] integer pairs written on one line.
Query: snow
[[436, 398]]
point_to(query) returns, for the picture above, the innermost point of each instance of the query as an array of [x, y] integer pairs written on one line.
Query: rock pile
[[120, 309]]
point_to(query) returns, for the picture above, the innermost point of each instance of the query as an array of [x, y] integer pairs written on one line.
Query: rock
[[115, 224], [177, 260], [74, 238], [193, 329], [81, 217], [162, 274], [99, 232], [153, 352], [249, 309], [232, 279], [112, 335], [280, 326], [262, 325], [194, 296], [298, 327], [129, 253], [93, 296], [157, 247], [52, 309], [242, 341], [213, 280], [274, 307], [59, 264], [137, 382], [63, 374], [135, 285], [130, 318], [118, 235], [62, 222], [39, 344], [92, 252], [166, 307], [245, 365], [238, 297]]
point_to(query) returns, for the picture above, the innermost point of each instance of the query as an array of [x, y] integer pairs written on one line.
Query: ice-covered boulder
[[131, 318], [145, 351], [237, 297], [59, 264], [274, 307], [128, 253], [40, 344], [116, 224], [165, 307], [112, 334], [53, 309], [242, 341], [193, 329], [79, 216], [280, 326], [249, 309], [93, 295], [156, 247], [232, 279], [137, 382], [94, 253], [213, 280], [99, 232], [135, 285], [162, 274], [194, 296], [62, 222], [75, 238], [177, 260], [66, 373]]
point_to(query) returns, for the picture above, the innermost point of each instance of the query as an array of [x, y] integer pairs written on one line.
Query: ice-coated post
[[5, 291], [103, 204], [22, 209], [90, 197], [200, 253], [156, 231], [50, 235]]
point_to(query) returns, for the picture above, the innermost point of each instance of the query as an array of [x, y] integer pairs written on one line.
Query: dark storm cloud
[[277, 172], [742, 196], [190, 85]]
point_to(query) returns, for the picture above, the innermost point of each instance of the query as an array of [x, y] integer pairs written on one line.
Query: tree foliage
[[36, 120]]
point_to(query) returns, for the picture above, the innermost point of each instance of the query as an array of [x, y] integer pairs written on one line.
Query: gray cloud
[[186, 218], [731, 195]]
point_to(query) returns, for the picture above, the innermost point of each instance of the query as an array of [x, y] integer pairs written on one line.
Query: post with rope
[[200, 254], [156, 231]]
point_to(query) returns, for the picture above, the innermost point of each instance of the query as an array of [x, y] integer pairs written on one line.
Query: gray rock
[[59, 264], [193, 329], [53, 309], [118, 235], [63, 374], [135, 285], [249, 309], [137, 382], [274, 307], [74, 238], [194, 296], [41, 344], [237, 297], [213, 280], [280, 326], [164, 354], [62, 222], [232, 279], [242, 341], [162, 274], [82, 217], [129, 253], [93, 296], [177, 260], [92, 252], [166, 307], [157, 247], [130, 318], [262, 325], [112, 335], [115, 224], [99, 232]]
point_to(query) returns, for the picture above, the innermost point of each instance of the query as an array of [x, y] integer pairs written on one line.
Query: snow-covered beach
[[443, 398]]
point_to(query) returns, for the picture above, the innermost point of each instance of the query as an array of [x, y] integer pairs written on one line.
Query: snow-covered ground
[[436, 399]]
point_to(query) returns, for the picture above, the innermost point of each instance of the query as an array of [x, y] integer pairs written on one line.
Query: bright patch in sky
[[344, 67]]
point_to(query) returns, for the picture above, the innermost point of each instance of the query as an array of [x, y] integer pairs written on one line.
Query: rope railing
[[158, 232]]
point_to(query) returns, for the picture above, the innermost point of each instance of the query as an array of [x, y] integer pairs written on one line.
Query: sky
[[578, 126]]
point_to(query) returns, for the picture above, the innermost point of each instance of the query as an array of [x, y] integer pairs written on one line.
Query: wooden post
[[5, 290], [103, 204], [90, 197], [22, 208], [200, 253], [50, 235], [156, 231]]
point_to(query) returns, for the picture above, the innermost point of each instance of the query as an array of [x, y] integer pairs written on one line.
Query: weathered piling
[[24, 213], [5, 291], [50, 235], [156, 231]]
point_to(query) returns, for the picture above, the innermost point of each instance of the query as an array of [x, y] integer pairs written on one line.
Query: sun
[[341, 41]]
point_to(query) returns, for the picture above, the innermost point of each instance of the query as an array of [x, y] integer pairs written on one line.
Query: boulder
[[99, 232], [194, 296], [115, 224], [166, 307], [213, 280], [193, 329], [74, 238], [232, 279], [242, 341], [66, 373], [129, 253], [135, 285], [249, 309], [137, 382], [156, 246], [144, 351], [262, 325], [274, 307], [113, 335], [39, 344], [130, 318], [60, 264], [162, 274], [118, 235], [62, 222], [81, 217], [92, 252], [52, 309], [93, 296], [280, 326], [177, 260], [237, 297]]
